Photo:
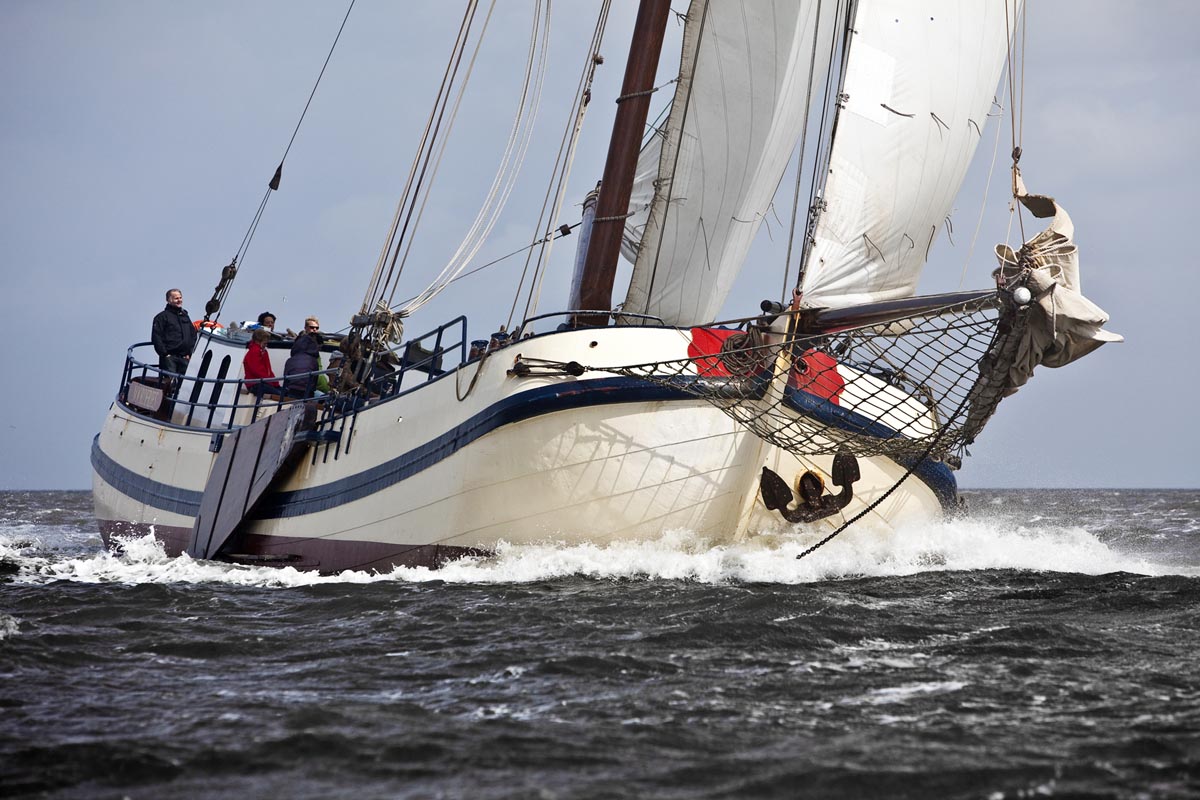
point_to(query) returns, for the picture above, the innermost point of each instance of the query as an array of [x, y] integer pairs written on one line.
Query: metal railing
[[613, 315], [221, 403], [193, 401]]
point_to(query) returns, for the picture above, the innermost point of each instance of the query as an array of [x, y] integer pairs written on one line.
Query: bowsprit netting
[[917, 387]]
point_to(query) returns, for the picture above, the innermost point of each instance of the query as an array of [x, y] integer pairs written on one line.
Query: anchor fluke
[[776, 494], [845, 469]]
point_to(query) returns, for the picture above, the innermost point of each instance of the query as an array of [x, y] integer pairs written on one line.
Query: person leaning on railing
[[305, 359], [257, 365]]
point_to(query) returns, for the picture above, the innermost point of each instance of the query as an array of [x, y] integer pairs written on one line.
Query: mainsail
[[738, 111], [919, 81]]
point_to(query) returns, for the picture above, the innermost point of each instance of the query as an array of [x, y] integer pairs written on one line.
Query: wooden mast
[[612, 207]]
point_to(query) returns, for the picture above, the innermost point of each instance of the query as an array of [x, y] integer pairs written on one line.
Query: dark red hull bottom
[[321, 555]]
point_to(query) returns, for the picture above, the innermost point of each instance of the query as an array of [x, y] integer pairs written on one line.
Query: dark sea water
[[1047, 646]]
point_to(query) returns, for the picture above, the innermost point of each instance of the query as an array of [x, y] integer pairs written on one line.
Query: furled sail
[[738, 111], [919, 82], [1064, 325]]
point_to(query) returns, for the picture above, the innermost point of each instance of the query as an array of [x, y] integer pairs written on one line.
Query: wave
[[956, 545]]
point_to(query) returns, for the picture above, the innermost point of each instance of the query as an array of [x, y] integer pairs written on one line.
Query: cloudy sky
[[138, 138]]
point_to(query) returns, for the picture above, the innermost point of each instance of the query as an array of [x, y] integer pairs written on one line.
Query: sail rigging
[[612, 204], [383, 285]]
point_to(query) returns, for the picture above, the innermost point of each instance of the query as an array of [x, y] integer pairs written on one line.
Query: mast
[[612, 207]]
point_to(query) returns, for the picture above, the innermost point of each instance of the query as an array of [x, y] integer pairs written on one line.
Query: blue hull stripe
[[519, 407], [934, 474], [144, 490]]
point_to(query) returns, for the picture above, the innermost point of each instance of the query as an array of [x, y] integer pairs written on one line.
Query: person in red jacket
[[257, 365]]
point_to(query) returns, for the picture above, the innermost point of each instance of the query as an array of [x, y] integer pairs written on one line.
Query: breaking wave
[[959, 545]]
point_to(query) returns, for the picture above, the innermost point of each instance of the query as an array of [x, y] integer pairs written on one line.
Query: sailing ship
[[845, 399]]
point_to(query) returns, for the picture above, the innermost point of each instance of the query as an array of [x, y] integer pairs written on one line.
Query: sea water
[[1046, 645]]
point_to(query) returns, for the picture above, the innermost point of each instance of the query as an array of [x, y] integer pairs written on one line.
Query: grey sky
[[138, 138]]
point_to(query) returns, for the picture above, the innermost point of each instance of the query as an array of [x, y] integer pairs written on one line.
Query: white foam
[[902, 694], [962, 544]]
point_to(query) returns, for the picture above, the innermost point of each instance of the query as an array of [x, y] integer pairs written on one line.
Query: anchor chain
[[894, 487]]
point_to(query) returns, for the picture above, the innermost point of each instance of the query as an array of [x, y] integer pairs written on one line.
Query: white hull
[[426, 476]]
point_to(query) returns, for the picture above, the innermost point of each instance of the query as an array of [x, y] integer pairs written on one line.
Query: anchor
[[814, 504]]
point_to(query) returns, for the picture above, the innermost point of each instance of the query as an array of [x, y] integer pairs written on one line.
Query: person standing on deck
[[173, 335]]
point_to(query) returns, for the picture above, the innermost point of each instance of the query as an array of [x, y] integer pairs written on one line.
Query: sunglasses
[[311, 327]]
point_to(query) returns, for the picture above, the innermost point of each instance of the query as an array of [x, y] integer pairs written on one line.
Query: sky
[[138, 138]]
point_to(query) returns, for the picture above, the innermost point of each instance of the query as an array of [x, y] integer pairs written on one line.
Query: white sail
[[641, 197], [919, 83], [738, 112]]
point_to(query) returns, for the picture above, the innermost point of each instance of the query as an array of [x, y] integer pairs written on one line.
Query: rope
[[311, 95], [416, 173], [438, 283], [1017, 109], [614, 217], [801, 150], [273, 184], [643, 93], [560, 234], [506, 174], [661, 203], [987, 189], [474, 379], [828, 120], [212, 309], [564, 161]]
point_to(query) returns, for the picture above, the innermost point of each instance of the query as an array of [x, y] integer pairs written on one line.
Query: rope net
[[923, 386]]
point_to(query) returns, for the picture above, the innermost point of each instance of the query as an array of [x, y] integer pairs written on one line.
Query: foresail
[[919, 83], [641, 197], [738, 111]]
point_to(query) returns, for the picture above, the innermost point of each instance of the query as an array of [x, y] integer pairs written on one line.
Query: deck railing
[[217, 403], [221, 403]]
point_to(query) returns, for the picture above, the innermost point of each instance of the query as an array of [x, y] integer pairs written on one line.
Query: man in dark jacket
[[173, 335], [305, 359]]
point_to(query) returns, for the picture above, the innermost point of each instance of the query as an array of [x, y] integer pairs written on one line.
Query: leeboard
[[248, 462]]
